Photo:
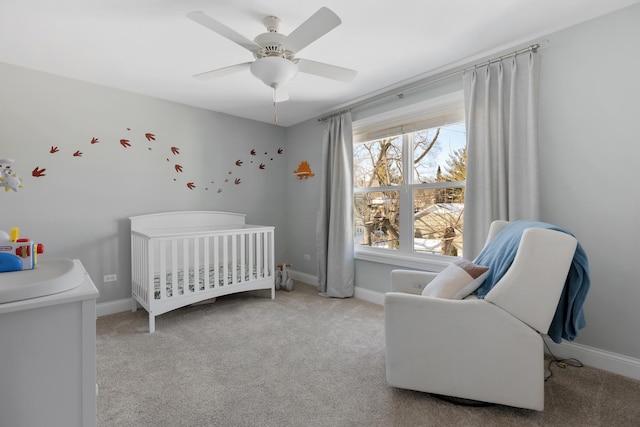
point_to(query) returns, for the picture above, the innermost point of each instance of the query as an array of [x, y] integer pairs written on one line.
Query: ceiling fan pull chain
[[275, 106]]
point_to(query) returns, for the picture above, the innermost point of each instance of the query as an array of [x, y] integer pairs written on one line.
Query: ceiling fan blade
[[318, 24], [281, 94], [207, 21], [325, 70], [223, 71]]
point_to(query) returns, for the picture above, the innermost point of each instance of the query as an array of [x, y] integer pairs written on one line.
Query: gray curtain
[[335, 217], [501, 102]]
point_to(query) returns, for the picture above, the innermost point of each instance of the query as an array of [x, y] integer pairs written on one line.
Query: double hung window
[[409, 187]]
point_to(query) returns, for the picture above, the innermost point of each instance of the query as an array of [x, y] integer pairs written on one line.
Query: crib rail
[[177, 266]]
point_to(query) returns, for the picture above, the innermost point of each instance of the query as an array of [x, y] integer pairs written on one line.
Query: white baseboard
[[360, 293], [601, 359], [590, 356], [371, 296], [304, 277], [113, 307]]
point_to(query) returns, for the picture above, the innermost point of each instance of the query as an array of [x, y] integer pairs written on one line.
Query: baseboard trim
[[370, 296], [113, 307], [601, 359], [590, 356], [303, 277], [360, 293]]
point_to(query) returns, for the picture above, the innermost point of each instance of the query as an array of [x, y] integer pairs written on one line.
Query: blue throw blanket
[[498, 256]]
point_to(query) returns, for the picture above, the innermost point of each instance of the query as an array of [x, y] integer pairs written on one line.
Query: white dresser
[[48, 359]]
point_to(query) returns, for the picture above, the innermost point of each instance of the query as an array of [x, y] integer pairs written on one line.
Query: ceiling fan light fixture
[[274, 71]]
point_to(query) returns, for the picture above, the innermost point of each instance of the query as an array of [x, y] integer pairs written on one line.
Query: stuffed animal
[[8, 179]]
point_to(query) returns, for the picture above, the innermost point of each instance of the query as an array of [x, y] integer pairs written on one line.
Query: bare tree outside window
[[434, 181]]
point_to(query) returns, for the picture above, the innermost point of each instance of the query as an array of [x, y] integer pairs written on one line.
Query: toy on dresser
[[16, 253]]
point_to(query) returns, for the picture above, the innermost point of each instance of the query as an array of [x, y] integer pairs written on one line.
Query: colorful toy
[[282, 279], [18, 254], [8, 179]]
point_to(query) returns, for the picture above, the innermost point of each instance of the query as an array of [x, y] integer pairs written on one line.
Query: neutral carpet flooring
[[303, 360]]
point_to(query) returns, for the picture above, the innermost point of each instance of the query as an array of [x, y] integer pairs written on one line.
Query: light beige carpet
[[303, 360]]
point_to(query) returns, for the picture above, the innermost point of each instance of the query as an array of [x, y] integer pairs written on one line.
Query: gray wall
[[80, 207], [589, 147], [304, 143]]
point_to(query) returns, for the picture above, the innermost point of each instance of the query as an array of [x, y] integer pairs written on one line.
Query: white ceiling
[[150, 47]]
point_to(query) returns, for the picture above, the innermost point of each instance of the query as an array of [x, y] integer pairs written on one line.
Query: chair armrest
[[435, 345], [463, 329], [473, 318], [410, 281]]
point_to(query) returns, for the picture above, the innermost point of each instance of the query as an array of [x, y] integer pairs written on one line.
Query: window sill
[[407, 261]]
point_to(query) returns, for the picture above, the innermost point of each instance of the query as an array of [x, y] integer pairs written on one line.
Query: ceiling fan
[[275, 62]]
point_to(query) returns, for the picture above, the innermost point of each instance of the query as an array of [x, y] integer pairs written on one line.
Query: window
[[409, 188]]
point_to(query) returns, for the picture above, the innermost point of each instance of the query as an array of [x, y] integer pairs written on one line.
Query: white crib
[[180, 258]]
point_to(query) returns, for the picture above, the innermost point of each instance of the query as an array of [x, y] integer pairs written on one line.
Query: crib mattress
[[212, 279]]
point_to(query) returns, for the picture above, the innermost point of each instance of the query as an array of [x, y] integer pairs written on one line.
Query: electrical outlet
[[110, 278], [307, 257]]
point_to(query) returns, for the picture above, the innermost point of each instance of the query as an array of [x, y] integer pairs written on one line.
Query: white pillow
[[456, 281]]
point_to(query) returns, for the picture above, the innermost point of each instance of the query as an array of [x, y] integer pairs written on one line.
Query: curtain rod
[[399, 92]]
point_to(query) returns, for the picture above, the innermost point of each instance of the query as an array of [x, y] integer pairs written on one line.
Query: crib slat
[[252, 236], [163, 269], [234, 260], [259, 245], [225, 260], [205, 256], [243, 238], [174, 267], [270, 256], [195, 264], [265, 252], [185, 282], [216, 258]]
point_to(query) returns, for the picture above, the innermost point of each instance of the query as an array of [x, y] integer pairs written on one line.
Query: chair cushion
[[456, 281]]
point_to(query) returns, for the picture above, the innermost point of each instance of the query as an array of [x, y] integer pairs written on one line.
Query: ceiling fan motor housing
[[272, 45]]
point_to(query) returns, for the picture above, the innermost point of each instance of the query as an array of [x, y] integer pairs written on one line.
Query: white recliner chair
[[490, 349]]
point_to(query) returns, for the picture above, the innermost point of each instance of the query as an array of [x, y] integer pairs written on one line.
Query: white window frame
[[444, 110]]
